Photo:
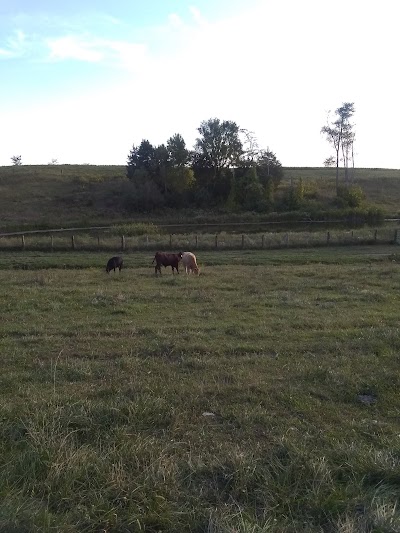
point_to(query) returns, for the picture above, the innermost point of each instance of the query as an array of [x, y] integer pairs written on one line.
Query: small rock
[[366, 399]]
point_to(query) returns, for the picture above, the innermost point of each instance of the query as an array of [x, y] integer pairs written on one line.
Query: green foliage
[[218, 146], [179, 179], [294, 196], [141, 158], [351, 196], [161, 169], [143, 194], [269, 168], [178, 154], [251, 193]]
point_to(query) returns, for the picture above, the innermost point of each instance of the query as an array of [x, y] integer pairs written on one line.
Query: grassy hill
[[66, 195]]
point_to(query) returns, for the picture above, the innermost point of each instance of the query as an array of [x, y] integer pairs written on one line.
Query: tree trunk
[[337, 171]]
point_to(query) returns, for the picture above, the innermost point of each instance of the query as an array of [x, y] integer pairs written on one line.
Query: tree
[[16, 160], [219, 145], [251, 150], [340, 134], [158, 167], [180, 177], [269, 168], [178, 154], [329, 161], [141, 158]]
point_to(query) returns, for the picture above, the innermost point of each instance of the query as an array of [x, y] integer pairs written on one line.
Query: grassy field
[[112, 240], [66, 195], [261, 396]]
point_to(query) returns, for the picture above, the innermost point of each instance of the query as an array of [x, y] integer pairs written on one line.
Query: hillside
[[65, 195]]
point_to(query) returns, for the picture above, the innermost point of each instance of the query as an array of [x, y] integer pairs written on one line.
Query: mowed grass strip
[[262, 395]]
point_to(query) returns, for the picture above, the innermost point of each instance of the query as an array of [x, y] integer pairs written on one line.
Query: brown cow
[[113, 263], [166, 259]]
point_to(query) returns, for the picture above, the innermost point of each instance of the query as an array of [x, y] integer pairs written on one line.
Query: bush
[[352, 196], [142, 196]]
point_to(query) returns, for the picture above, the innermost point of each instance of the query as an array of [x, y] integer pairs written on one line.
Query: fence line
[[183, 225], [227, 241]]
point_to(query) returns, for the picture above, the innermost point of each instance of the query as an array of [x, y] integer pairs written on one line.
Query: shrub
[[352, 196]]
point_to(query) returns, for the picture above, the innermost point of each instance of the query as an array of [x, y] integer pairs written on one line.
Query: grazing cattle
[[190, 263], [165, 259], [113, 263]]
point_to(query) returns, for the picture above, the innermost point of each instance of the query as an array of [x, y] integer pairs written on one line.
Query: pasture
[[261, 396], [45, 196]]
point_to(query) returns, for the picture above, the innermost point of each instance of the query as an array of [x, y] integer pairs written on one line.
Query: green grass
[[260, 396], [381, 186], [50, 196], [157, 239]]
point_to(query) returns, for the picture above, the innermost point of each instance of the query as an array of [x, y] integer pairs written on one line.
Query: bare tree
[[251, 150]]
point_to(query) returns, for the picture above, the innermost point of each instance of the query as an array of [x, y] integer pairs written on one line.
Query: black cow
[[113, 263], [165, 259]]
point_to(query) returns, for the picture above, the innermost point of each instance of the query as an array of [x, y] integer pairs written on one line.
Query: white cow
[[189, 262]]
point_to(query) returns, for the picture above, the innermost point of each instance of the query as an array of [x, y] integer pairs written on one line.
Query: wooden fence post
[[73, 242], [123, 242], [51, 243], [23, 241], [196, 241], [98, 242], [147, 241], [170, 241], [375, 235], [216, 241], [328, 237]]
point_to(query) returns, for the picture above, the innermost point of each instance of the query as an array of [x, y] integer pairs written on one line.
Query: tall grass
[[146, 236], [232, 401]]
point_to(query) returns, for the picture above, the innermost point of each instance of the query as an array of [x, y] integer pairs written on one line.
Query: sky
[[83, 81]]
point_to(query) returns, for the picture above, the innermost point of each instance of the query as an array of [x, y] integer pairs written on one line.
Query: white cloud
[[175, 21], [16, 45], [93, 50], [72, 47], [197, 16]]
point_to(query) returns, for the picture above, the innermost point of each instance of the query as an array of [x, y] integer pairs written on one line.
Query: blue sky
[[83, 81]]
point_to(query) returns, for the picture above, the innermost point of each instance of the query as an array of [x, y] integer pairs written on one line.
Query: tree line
[[225, 167]]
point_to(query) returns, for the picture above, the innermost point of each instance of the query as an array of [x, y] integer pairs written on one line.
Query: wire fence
[[192, 241]]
